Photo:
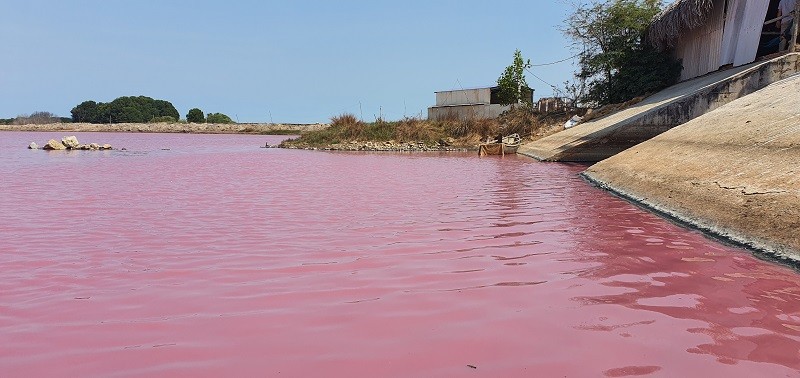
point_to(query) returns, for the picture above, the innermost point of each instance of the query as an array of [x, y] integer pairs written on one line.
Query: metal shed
[[464, 104]]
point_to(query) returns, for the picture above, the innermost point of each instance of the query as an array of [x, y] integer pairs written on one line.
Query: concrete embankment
[[734, 172], [193, 128], [596, 140]]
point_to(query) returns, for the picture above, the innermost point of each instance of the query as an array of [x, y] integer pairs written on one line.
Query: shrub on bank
[[165, 119], [218, 118], [195, 115]]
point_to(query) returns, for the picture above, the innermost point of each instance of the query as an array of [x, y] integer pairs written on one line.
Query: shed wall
[[700, 48], [464, 97], [466, 112]]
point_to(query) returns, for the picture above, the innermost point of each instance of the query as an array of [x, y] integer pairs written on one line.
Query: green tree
[[617, 62], [218, 118], [511, 84], [85, 112], [136, 109], [195, 115]]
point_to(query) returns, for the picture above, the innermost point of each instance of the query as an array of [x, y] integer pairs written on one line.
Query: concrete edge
[[749, 72], [539, 158], [761, 249]]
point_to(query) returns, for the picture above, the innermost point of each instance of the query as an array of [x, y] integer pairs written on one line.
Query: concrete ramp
[[734, 172], [599, 139]]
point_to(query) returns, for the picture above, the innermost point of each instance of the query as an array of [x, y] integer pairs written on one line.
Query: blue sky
[[297, 61]]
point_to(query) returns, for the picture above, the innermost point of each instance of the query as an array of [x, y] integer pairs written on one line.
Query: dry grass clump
[[347, 128], [519, 120], [344, 119], [612, 108], [470, 127], [415, 129]]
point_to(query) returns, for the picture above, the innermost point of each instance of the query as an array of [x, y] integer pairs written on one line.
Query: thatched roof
[[680, 17]]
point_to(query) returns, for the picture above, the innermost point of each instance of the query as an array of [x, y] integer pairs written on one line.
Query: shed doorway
[[744, 23]]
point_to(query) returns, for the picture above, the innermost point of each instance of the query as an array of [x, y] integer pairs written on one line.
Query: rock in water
[[106, 147], [54, 145], [94, 146], [33, 146], [70, 142]]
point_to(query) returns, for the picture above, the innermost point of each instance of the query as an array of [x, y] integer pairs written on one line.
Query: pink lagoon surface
[[205, 255]]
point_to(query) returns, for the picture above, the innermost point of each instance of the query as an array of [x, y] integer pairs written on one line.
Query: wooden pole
[[793, 41]]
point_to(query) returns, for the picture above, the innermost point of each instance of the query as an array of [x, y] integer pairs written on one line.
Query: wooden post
[[793, 41]]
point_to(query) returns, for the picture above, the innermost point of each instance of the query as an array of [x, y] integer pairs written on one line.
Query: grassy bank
[[347, 128]]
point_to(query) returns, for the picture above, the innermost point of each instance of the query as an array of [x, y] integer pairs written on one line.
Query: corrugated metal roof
[[468, 89]]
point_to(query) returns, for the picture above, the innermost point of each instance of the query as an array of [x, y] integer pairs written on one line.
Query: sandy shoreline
[[190, 128]]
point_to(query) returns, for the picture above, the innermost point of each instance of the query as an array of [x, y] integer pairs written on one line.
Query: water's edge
[[764, 250]]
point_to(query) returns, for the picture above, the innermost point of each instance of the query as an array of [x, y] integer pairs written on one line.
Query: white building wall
[[466, 112], [464, 97], [743, 26]]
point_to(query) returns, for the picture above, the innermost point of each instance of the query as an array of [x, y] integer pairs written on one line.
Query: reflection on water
[[205, 255]]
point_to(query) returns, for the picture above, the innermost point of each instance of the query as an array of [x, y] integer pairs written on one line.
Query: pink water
[[192, 255]]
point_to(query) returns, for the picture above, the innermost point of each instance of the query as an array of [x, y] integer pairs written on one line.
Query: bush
[[218, 118], [164, 119], [344, 119], [195, 115]]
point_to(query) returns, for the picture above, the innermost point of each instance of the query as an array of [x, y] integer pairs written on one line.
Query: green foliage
[[86, 111], [618, 63], [195, 115], [138, 109], [512, 86], [218, 118], [6, 121]]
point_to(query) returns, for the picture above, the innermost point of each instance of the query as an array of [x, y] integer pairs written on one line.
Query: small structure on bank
[[466, 104], [709, 34], [552, 105]]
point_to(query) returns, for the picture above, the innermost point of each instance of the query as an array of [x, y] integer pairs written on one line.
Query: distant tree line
[[138, 109], [132, 109], [35, 118]]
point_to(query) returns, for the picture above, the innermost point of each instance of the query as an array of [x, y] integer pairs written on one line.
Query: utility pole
[[793, 41]]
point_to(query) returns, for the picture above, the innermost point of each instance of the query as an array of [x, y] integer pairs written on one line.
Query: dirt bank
[[194, 128], [734, 172]]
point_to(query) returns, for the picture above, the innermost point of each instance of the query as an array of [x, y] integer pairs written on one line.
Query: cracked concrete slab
[[734, 172]]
